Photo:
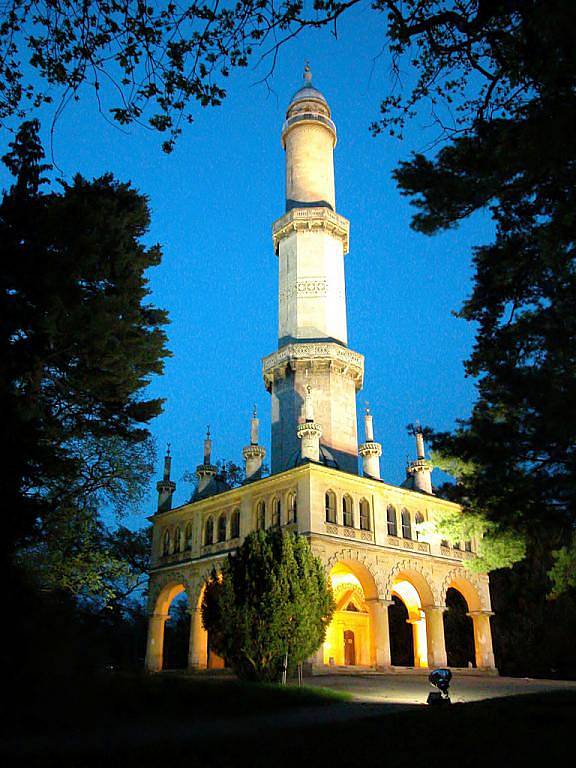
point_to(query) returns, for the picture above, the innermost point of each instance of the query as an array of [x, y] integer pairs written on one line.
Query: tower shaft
[[311, 240]]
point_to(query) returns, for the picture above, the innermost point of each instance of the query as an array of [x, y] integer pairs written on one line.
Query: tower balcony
[[318, 219]]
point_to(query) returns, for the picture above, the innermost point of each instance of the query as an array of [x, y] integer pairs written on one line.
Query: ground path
[[413, 688]]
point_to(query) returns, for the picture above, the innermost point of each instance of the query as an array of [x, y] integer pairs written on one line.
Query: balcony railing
[[348, 533], [410, 544], [458, 554]]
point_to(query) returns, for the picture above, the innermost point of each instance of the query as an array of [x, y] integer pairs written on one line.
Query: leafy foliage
[[519, 163], [151, 64], [78, 555], [563, 572], [271, 598]]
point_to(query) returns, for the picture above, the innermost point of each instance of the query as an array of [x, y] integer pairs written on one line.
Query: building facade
[[375, 539]]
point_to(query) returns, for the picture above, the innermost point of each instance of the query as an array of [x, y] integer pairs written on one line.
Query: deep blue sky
[[213, 202]]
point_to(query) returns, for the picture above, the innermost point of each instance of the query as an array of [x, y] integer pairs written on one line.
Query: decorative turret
[[419, 472], [253, 453], [166, 486], [309, 432], [206, 472], [370, 450]]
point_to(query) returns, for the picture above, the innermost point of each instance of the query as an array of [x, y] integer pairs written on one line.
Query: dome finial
[[307, 73]]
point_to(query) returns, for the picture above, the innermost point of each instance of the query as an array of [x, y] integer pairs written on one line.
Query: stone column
[[483, 639], [380, 640], [155, 645], [198, 646], [435, 635]]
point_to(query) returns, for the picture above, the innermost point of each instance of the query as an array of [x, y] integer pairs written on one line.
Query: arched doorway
[[401, 641], [408, 633], [349, 637], [177, 634], [458, 630], [157, 622]]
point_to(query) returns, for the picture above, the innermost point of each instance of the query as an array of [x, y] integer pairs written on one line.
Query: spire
[[370, 450], [207, 446], [253, 453], [308, 405], [206, 471], [254, 427], [166, 486], [419, 471]]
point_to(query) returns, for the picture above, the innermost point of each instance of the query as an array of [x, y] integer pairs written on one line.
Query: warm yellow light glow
[[338, 578], [355, 623], [408, 593], [409, 596]]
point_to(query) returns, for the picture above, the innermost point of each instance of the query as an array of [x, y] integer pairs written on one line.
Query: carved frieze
[[312, 220]]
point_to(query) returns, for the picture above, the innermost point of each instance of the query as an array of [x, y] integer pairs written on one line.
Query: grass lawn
[[135, 699], [525, 730]]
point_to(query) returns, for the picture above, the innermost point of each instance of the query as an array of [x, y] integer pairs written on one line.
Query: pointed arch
[[416, 574], [465, 582], [363, 568], [330, 506]]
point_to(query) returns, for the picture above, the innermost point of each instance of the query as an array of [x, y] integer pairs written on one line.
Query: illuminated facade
[[390, 576]]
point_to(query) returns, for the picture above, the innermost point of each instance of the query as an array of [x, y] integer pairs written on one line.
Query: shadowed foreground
[[223, 723]]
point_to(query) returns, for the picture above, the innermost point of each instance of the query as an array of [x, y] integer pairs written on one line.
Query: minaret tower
[[370, 450], [166, 486], [206, 471], [309, 432], [253, 453], [420, 470], [311, 240]]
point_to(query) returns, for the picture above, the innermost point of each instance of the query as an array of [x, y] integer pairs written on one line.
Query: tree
[[520, 164], [77, 554], [151, 63], [271, 599], [79, 344]]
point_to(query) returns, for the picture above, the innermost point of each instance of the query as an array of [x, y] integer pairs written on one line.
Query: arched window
[[275, 512], [468, 546], [166, 543], [235, 524], [208, 532], [406, 524], [261, 516], [188, 537], [177, 539], [418, 520], [444, 543], [391, 518], [347, 512], [456, 545], [330, 503], [222, 527], [364, 515], [292, 508]]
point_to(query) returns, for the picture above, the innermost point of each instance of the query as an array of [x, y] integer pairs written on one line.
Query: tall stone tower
[[311, 240]]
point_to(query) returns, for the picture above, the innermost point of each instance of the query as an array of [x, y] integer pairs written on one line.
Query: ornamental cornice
[[370, 448], [313, 220], [308, 429], [206, 469], [419, 465], [254, 452], [294, 355]]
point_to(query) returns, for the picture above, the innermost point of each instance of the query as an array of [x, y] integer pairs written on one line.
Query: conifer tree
[[79, 343], [271, 599]]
